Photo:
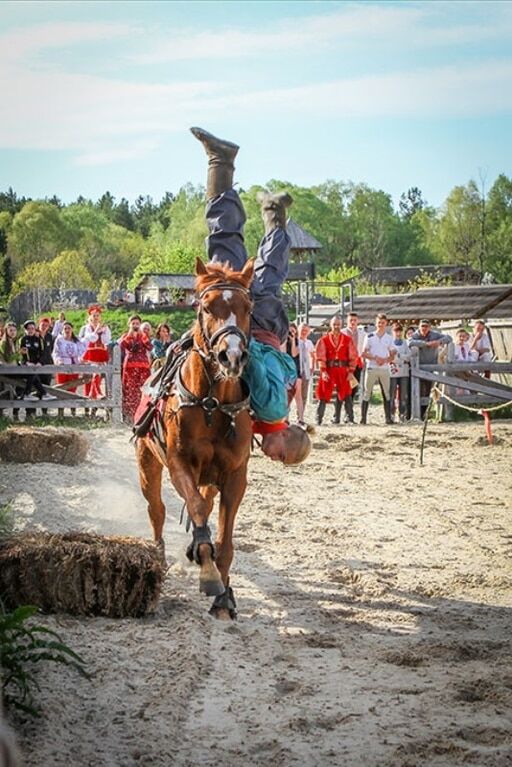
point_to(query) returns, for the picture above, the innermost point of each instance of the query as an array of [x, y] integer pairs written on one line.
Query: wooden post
[[415, 390], [116, 391]]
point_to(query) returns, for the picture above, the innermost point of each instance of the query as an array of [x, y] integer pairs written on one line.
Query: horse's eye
[[206, 310]]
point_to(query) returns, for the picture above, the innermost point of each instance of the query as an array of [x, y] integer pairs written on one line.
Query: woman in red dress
[[97, 336], [136, 368]]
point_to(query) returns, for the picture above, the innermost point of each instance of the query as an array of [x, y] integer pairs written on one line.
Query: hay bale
[[81, 573], [26, 444]]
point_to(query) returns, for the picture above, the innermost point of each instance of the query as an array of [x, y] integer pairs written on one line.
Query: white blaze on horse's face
[[233, 349]]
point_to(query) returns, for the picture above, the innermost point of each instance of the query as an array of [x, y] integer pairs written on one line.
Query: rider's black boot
[[273, 209], [221, 162], [364, 411]]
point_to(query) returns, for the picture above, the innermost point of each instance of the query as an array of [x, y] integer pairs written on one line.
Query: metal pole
[[415, 390]]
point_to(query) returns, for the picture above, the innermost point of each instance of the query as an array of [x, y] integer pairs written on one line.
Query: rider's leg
[[225, 215]]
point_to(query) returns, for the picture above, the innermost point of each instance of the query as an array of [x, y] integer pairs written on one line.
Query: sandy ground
[[375, 612]]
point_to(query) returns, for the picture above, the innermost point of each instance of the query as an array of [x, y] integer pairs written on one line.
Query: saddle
[[149, 417], [157, 388]]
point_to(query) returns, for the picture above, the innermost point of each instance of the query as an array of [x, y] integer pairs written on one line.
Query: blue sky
[[99, 96]]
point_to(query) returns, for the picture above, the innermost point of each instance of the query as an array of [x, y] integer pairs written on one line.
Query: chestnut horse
[[207, 428]]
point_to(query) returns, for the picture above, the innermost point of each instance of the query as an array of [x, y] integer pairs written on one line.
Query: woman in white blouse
[[67, 350]]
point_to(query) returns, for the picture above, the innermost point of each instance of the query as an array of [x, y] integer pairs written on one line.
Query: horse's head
[[224, 314]]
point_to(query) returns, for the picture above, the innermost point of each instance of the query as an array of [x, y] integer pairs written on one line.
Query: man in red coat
[[337, 358]]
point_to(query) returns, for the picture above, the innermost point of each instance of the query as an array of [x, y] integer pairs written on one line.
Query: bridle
[[225, 330], [209, 403]]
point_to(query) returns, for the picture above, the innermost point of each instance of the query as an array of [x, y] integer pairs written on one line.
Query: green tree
[[163, 256], [458, 234], [144, 213], [411, 202], [36, 234], [122, 215], [65, 271], [10, 202], [68, 270], [374, 223]]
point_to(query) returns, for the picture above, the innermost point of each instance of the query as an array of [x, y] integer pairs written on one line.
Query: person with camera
[[135, 345]]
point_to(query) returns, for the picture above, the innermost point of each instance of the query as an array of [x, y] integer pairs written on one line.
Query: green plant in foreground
[[22, 647]]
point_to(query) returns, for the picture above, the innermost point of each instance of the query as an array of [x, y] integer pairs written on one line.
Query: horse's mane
[[219, 273]]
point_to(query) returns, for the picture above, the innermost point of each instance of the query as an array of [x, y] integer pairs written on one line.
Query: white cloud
[[108, 155], [103, 120], [17, 45], [439, 92], [412, 26]]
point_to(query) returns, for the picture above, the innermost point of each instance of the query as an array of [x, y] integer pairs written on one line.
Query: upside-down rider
[[268, 372]]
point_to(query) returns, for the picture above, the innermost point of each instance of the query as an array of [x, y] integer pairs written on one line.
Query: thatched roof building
[[397, 277], [460, 304], [158, 288], [453, 303]]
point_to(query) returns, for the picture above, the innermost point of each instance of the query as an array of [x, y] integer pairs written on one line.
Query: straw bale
[[81, 573], [23, 444]]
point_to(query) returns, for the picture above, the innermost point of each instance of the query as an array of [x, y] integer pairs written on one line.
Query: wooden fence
[[452, 377], [12, 377]]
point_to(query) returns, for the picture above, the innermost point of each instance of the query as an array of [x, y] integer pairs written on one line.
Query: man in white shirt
[[378, 351]]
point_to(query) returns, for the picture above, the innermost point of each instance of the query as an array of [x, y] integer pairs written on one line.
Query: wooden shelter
[[303, 246], [399, 277], [159, 289]]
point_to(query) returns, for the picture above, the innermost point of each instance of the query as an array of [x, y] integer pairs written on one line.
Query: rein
[[209, 403]]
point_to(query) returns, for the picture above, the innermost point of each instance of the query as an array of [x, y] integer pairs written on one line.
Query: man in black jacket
[[31, 349]]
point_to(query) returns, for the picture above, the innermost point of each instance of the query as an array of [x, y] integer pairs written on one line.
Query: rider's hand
[[324, 376]]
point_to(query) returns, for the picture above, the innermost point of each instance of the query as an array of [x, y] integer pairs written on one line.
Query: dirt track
[[375, 617]]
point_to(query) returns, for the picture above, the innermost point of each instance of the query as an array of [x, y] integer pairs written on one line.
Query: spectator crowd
[[348, 361], [53, 341]]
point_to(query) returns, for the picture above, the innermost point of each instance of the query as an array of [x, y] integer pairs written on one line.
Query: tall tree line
[[110, 243]]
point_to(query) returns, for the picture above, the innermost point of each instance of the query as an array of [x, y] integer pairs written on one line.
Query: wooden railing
[[451, 377], [12, 378]]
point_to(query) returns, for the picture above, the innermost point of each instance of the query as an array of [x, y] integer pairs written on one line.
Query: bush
[[22, 647]]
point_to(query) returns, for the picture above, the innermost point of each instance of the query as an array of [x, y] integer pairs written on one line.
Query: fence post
[[415, 389], [116, 390]]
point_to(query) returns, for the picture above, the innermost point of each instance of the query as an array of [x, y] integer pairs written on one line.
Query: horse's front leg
[[199, 508], [232, 493], [150, 477]]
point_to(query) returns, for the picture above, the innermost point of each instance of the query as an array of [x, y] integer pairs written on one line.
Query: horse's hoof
[[224, 606], [211, 588], [222, 613]]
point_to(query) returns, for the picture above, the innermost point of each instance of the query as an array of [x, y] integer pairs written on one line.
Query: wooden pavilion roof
[[300, 239]]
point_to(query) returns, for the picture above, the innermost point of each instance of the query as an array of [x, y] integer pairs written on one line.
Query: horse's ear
[[200, 267], [248, 271]]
